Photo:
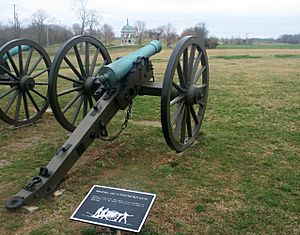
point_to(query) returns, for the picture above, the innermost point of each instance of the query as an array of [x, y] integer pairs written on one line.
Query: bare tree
[[93, 21], [89, 19], [76, 29], [83, 14], [140, 27], [200, 30], [108, 33], [6, 33], [38, 19], [289, 38], [159, 32], [155, 33], [170, 34]]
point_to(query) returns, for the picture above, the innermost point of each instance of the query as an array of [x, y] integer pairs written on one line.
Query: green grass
[[240, 177], [260, 46], [236, 57], [285, 56]]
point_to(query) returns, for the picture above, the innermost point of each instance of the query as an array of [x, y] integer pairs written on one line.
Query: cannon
[[84, 84], [24, 68]]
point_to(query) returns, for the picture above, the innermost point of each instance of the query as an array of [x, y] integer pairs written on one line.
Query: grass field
[[260, 46], [241, 177]]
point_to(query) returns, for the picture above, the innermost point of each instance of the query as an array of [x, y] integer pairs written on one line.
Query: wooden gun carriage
[[86, 90]]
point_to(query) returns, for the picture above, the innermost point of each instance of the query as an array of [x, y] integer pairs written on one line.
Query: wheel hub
[[194, 95], [27, 83], [89, 86]]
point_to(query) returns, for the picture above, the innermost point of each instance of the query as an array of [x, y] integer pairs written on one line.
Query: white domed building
[[127, 35]]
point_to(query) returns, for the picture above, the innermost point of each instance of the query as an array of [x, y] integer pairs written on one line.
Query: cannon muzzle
[[114, 72]]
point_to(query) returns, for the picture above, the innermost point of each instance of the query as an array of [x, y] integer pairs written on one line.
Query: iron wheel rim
[[31, 100], [80, 74], [189, 64]]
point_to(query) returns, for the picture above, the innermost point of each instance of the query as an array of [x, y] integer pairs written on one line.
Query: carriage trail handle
[[114, 72]]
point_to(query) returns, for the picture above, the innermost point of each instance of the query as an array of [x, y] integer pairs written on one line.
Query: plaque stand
[[115, 231]]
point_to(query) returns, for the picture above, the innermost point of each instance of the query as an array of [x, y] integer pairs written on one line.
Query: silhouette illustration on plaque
[[110, 215]]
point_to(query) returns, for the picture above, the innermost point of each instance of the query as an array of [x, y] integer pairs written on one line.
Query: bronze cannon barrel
[[114, 72]]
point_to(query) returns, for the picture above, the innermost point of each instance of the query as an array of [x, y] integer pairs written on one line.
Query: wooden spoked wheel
[[24, 68], [72, 79], [184, 93]]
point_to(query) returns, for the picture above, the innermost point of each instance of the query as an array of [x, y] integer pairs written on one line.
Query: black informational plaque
[[115, 208]]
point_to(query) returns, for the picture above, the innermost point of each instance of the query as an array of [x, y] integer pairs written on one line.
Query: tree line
[[289, 38], [41, 28]]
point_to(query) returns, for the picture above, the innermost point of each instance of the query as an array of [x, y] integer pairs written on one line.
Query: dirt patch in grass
[[147, 123], [22, 144], [4, 163]]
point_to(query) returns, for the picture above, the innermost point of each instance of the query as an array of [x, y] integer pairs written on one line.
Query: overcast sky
[[224, 18]]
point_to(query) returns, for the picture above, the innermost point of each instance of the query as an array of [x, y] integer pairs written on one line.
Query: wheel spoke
[[8, 72], [194, 115], [25, 105], [198, 74], [179, 123], [181, 76], [39, 94], [85, 106], [100, 67], [8, 92], [5, 79], [177, 99], [188, 122], [34, 66], [185, 65], [94, 61], [73, 68], [69, 79], [87, 59], [183, 124], [28, 60], [178, 88], [13, 64], [71, 102], [69, 91], [91, 102], [41, 83], [76, 111], [11, 101], [20, 60], [201, 102], [176, 113], [9, 82], [79, 60], [18, 106], [190, 64], [39, 73], [196, 64], [33, 101]]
